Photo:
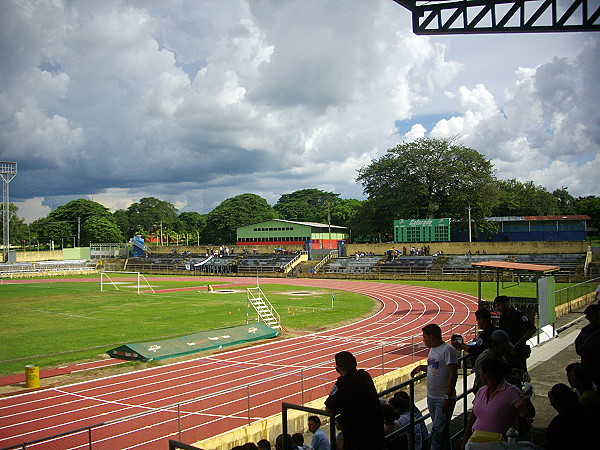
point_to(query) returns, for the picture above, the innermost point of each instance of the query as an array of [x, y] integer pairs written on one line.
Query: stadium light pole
[[8, 170]]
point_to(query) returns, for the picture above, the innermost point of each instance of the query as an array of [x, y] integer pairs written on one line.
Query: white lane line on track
[[368, 327]]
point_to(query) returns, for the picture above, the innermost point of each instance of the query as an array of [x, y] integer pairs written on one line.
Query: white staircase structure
[[266, 313]]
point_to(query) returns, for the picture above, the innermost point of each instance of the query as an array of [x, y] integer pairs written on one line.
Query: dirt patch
[[302, 293]]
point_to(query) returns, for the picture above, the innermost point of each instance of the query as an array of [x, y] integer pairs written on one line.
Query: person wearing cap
[[482, 341], [587, 342], [500, 346], [519, 328], [355, 399]]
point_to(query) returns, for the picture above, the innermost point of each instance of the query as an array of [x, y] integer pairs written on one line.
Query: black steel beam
[[502, 16]]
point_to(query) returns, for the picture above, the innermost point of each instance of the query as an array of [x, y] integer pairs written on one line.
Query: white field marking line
[[252, 376], [49, 312], [233, 351], [238, 362], [278, 388]]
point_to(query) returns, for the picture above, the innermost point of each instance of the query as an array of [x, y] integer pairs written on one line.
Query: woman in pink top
[[496, 405]]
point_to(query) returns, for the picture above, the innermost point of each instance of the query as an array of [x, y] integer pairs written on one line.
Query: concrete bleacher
[[51, 267], [163, 262], [408, 264], [568, 263], [351, 265], [264, 262], [462, 264], [214, 264]]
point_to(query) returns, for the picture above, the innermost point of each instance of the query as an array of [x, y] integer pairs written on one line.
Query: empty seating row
[[364, 264]]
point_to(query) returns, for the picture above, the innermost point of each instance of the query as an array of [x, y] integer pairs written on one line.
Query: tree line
[[427, 178]]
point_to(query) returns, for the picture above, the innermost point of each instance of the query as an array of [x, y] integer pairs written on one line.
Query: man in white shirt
[[442, 373]]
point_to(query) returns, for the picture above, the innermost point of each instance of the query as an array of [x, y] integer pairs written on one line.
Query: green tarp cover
[[193, 343]]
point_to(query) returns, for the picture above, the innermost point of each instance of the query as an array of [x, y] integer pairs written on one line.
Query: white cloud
[[196, 102]]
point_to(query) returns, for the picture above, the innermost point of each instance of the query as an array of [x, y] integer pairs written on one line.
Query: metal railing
[[318, 412], [408, 428], [174, 418], [567, 294]]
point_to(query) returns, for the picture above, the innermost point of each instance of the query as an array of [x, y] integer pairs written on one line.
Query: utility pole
[[470, 223]]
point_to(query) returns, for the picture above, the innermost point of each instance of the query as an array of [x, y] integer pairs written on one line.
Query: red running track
[[224, 391]]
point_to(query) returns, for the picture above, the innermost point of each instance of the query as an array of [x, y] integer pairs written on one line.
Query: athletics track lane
[[405, 310]]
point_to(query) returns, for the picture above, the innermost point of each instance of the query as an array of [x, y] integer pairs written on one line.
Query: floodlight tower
[[8, 170]]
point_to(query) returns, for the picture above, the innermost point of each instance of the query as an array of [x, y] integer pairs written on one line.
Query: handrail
[[284, 428], [175, 407]]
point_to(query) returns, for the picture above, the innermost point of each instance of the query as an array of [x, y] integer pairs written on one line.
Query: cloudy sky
[[196, 101]]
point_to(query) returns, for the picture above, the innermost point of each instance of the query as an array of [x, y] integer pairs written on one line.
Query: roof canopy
[[540, 268]]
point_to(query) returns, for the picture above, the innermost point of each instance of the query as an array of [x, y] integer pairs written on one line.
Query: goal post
[[106, 280]]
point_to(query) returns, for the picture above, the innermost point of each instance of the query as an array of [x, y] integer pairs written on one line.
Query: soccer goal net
[[115, 279]]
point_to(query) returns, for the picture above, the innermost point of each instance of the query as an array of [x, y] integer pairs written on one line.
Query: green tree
[[524, 199], [590, 206], [121, 218], [429, 178], [16, 225], [80, 209], [306, 205], [566, 203], [343, 210], [98, 229], [44, 231], [147, 216], [245, 209]]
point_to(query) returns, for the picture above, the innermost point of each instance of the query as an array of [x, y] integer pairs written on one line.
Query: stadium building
[[288, 232], [514, 228]]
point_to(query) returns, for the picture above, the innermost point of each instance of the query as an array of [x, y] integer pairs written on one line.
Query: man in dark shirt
[[519, 329], [587, 342], [483, 339], [355, 399]]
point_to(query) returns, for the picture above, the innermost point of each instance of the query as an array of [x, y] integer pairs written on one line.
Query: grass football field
[[56, 323], [51, 324]]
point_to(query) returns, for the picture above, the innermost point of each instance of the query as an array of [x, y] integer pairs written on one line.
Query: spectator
[[442, 373], [567, 429], [263, 444], [587, 343], [401, 404], [298, 439], [519, 328], [339, 439], [249, 446], [482, 341], [418, 415], [279, 442], [496, 406], [580, 380], [390, 424], [355, 399], [319, 440], [500, 346]]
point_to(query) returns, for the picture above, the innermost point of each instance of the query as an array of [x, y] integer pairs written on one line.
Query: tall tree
[[245, 209], [590, 206], [566, 203], [149, 214], [343, 210], [306, 205], [98, 229], [16, 225], [516, 198], [429, 178]]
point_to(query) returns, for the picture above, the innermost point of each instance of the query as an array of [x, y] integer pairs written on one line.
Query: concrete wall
[[45, 255]]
